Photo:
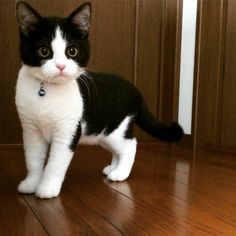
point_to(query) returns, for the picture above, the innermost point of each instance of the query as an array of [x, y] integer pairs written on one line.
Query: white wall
[[187, 64]]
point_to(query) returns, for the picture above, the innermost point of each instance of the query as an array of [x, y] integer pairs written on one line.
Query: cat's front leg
[[54, 173], [60, 157], [35, 149]]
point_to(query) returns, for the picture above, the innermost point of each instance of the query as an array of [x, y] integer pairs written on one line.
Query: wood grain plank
[[166, 195], [16, 216], [166, 185], [65, 215], [70, 216], [195, 218], [157, 221], [122, 212]]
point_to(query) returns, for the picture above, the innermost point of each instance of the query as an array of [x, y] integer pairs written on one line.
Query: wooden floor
[[166, 195]]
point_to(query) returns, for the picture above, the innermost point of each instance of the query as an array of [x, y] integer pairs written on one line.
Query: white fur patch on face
[[49, 71]]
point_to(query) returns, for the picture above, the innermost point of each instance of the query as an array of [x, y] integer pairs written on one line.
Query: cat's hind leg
[[125, 151]]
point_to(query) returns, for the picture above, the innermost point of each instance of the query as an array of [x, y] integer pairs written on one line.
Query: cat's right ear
[[27, 16]]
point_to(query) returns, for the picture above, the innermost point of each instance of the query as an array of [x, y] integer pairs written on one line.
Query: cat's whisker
[[90, 78], [87, 87]]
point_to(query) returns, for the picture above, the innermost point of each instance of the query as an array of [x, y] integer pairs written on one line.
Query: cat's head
[[54, 49]]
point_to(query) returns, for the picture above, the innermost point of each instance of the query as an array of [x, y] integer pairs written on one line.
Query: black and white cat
[[60, 103]]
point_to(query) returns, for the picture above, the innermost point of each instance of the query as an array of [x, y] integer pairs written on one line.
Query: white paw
[[118, 175], [48, 190], [28, 185], [107, 169]]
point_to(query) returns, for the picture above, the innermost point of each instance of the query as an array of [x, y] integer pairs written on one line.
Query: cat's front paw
[[28, 185], [48, 190], [118, 175]]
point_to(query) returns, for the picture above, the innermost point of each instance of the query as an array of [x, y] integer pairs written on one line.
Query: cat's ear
[[27, 16], [81, 17]]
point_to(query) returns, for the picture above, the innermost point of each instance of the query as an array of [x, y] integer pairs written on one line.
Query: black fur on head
[[37, 31]]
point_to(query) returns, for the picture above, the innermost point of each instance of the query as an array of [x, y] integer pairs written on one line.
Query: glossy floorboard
[[167, 194]]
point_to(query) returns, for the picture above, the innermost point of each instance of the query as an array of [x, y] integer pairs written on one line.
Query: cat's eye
[[72, 51], [44, 52]]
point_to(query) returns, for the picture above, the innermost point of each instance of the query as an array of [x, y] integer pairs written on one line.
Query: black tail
[[146, 121]]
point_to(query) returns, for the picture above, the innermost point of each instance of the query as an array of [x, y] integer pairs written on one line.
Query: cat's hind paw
[[118, 175], [106, 170]]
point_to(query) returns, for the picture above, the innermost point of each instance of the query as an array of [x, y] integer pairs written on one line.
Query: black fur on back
[[109, 99]]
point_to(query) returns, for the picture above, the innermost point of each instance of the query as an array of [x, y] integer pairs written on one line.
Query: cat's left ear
[[81, 17]]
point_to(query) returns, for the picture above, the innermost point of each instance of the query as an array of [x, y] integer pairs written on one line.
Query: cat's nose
[[61, 67]]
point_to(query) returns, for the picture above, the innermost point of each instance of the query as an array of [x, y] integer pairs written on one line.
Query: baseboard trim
[[223, 150], [11, 146], [186, 142]]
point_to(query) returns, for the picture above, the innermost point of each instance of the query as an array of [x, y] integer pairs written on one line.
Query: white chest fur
[[61, 106]]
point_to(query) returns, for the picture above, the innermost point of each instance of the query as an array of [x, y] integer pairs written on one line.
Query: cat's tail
[[146, 121]]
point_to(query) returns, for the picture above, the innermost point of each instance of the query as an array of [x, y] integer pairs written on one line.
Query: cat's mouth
[[64, 75], [61, 77], [61, 74], [56, 78]]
